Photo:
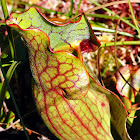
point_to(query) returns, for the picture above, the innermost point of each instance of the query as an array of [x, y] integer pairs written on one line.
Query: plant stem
[[133, 17], [4, 8], [78, 7], [105, 69], [71, 9], [113, 31], [8, 76], [10, 36], [121, 43], [106, 16]]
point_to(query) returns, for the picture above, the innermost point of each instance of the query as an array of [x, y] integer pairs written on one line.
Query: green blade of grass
[[10, 36], [4, 24], [133, 17], [105, 69], [121, 43], [7, 86], [113, 31], [8, 76], [78, 7], [5, 65], [106, 16], [71, 9], [101, 16]]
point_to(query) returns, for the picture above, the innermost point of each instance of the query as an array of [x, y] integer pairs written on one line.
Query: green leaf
[[9, 75], [4, 56], [72, 104], [62, 36], [86, 118], [131, 75], [10, 118], [7, 95], [117, 109]]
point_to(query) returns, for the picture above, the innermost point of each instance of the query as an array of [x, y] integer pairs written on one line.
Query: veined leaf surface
[[66, 37], [72, 104]]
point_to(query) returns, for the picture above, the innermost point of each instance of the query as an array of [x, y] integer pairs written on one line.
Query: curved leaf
[[9, 75], [131, 74], [83, 119], [60, 77], [65, 37], [55, 70], [117, 109]]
